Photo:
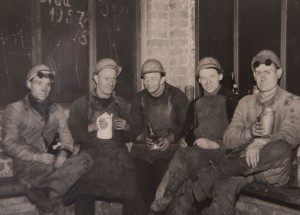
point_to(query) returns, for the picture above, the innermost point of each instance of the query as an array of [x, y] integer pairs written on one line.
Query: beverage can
[[267, 119]]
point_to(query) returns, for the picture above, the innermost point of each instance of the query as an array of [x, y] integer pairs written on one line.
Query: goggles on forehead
[[267, 62], [40, 74]]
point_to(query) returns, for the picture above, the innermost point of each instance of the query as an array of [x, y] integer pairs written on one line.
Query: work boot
[[40, 197], [202, 188]]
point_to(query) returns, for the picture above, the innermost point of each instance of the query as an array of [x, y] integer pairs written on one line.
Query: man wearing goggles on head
[[29, 127], [258, 155]]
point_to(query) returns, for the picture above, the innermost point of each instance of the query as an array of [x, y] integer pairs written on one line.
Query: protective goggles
[[40, 74], [267, 62]]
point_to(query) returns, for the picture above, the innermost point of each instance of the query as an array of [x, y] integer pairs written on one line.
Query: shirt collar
[[27, 105], [265, 98]]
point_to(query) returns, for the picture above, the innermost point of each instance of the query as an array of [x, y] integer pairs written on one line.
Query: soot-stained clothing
[[166, 113], [113, 169], [27, 133], [199, 114], [275, 157], [209, 116], [286, 125], [287, 118]]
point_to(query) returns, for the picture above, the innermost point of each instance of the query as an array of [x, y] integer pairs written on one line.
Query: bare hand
[[92, 127], [121, 124], [45, 158], [164, 142], [206, 144], [76, 149], [182, 143], [252, 152], [60, 159], [103, 123], [257, 129], [151, 145]]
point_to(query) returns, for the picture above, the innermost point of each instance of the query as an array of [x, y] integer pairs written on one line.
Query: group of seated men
[[208, 148]]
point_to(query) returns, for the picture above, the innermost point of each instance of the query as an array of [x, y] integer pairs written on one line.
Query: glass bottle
[[234, 86], [151, 132], [189, 136]]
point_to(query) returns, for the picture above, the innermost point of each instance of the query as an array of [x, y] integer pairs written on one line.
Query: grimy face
[[153, 82], [267, 77], [106, 81], [209, 79], [40, 88]]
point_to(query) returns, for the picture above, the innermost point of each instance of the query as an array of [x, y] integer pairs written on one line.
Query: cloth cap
[[264, 55], [39, 68], [107, 63], [209, 62], [152, 65]]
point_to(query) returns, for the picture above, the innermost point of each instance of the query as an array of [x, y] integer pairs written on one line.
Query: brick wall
[[168, 34]]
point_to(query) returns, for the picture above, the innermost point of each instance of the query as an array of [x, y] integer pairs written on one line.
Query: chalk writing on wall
[[61, 11], [65, 45], [15, 49], [116, 38]]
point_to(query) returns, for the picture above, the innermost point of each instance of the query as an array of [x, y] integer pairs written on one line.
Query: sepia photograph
[[149, 107]]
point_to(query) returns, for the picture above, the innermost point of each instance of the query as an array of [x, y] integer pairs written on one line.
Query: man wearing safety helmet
[[207, 118], [163, 107], [112, 175], [29, 128]]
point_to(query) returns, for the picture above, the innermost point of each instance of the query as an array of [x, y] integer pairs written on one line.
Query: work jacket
[[26, 134]]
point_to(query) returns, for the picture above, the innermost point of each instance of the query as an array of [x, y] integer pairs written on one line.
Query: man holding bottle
[[30, 127], [161, 108]]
